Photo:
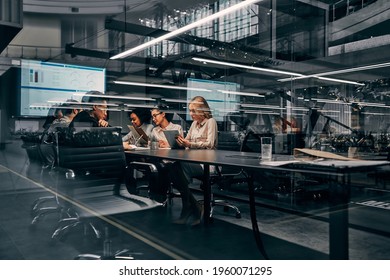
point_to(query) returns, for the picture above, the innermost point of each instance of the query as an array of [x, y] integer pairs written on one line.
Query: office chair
[[224, 177], [42, 206], [226, 140], [89, 172], [215, 179], [151, 185]]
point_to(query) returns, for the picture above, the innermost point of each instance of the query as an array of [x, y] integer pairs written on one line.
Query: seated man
[[97, 117], [69, 110]]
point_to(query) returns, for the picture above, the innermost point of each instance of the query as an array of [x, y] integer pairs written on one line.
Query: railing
[[34, 52], [42, 53], [344, 8]]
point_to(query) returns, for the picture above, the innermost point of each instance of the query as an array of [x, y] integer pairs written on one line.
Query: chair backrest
[[93, 156]]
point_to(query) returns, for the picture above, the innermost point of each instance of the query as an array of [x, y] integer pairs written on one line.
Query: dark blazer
[[84, 119]]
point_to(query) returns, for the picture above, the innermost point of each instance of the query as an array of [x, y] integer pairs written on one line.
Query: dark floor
[[291, 229]]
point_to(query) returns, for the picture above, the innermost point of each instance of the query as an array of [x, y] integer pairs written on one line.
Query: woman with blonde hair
[[203, 134]]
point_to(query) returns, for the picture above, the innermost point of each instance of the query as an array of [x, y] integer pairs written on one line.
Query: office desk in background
[[338, 173]]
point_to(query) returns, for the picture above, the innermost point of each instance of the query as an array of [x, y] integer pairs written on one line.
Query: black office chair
[[150, 182], [89, 173], [45, 148], [224, 177]]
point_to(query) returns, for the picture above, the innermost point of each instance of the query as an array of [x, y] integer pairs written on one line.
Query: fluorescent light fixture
[[262, 106], [241, 93], [375, 114], [86, 103], [328, 111], [140, 105], [78, 107], [247, 67], [172, 100], [160, 86], [329, 101], [119, 97], [185, 28], [300, 109], [336, 72], [372, 104], [354, 69], [259, 112], [339, 81], [66, 107], [320, 78]]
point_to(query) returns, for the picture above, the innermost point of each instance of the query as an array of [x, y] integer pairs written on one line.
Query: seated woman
[[139, 118], [203, 134], [163, 119]]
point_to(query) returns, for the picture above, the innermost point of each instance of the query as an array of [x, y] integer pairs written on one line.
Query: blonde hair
[[200, 104]]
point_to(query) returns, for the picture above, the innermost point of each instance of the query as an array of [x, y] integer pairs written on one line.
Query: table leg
[[206, 194], [338, 220], [255, 227]]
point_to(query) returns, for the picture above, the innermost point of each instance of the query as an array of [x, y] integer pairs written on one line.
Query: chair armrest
[[66, 172], [143, 166]]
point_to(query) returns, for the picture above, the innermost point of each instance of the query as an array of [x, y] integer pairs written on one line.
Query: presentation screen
[[217, 95], [47, 84]]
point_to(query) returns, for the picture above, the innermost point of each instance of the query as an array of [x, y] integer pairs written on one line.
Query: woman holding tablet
[[163, 119], [203, 134]]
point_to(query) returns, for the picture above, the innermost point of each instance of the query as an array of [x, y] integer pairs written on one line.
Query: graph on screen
[[44, 84]]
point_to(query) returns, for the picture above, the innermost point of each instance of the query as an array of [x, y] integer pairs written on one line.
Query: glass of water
[[266, 148]]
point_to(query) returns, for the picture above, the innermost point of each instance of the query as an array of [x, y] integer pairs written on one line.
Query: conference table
[[338, 173]]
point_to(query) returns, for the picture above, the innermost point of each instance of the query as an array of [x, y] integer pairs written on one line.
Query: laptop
[[139, 134], [171, 136]]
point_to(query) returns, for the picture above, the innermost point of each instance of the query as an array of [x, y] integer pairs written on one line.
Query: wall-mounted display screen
[[219, 95], [45, 84]]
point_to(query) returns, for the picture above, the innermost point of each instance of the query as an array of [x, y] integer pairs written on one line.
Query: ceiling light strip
[[140, 105], [343, 71], [160, 86], [242, 93], [85, 103], [247, 67], [172, 100], [184, 29], [262, 106], [339, 81], [118, 97]]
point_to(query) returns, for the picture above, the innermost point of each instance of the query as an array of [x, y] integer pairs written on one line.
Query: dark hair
[[93, 96], [68, 107], [164, 109], [143, 114]]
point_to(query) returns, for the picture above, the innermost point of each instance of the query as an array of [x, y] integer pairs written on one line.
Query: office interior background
[[320, 68]]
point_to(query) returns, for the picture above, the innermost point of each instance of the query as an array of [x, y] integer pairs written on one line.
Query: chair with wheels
[[89, 174], [48, 204], [151, 181]]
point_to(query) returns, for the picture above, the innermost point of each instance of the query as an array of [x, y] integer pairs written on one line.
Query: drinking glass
[[266, 148]]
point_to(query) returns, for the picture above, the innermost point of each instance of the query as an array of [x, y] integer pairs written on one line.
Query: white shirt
[[158, 133], [203, 135]]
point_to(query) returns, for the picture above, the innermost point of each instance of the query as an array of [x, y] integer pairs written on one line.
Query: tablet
[[171, 136], [139, 134]]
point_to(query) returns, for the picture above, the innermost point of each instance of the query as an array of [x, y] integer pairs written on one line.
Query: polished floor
[[291, 229]]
